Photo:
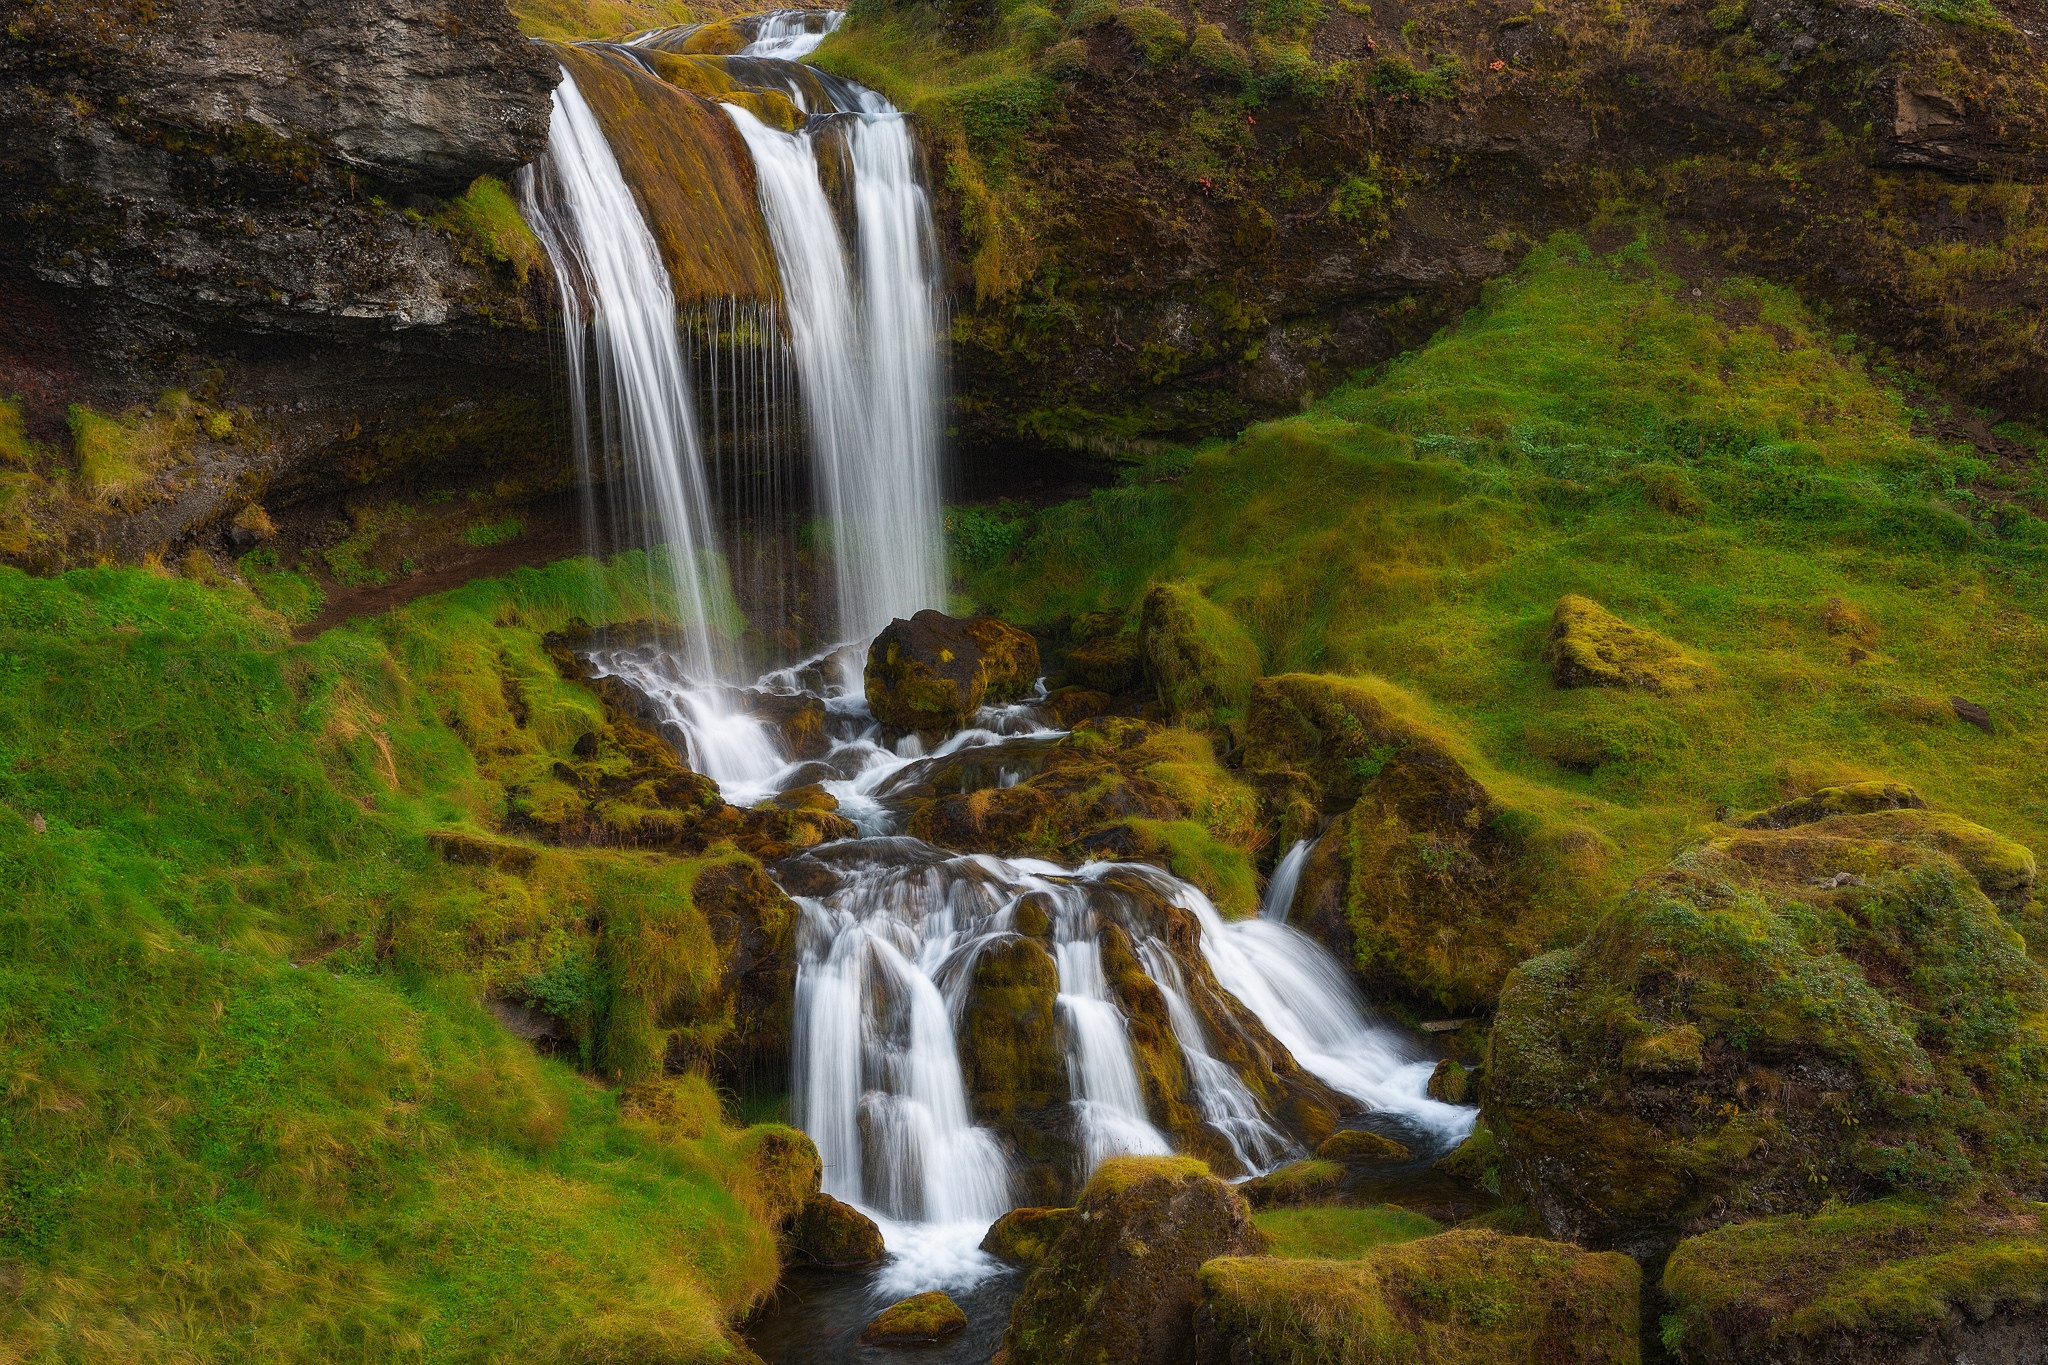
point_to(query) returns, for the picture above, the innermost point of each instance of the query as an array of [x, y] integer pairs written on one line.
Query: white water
[[1109, 1102], [792, 34], [615, 285], [863, 323], [1280, 891]]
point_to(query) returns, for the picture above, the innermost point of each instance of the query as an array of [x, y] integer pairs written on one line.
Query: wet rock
[[1470, 1294], [1451, 1082], [1854, 798], [1751, 1033], [1357, 1144], [1591, 647], [834, 1236], [1009, 658], [782, 1169], [1013, 1061], [800, 720], [920, 1320], [1112, 665], [925, 675], [1298, 1182], [1118, 1285], [753, 924], [1072, 705], [1023, 1237], [1198, 660]]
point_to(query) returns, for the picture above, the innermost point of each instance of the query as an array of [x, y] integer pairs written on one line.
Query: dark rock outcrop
[[1118, 1287], [833, 1235], [928, 674]]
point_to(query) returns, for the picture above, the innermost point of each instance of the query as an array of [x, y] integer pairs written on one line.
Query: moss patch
[[1339, 1234]]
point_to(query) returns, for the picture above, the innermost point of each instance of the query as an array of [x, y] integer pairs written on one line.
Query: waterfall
[[615, 291], [1227, 1105], [863, 324], [1279, 899], [1108, 1100], [791, 34]]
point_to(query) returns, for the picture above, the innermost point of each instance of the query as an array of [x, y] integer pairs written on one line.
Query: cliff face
[[1172, 219], [254, 201]]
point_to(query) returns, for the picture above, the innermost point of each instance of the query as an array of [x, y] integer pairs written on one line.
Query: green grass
[[254, 1108], [1339, 1234], [1716, 468]]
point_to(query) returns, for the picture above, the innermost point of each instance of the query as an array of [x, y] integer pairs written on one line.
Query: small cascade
[[790, 35], [1279, 899], [1109, 1103], [616, 298]]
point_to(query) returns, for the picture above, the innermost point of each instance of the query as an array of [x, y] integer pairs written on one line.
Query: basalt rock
[[928, 674], [1118, 1287], [1778, 1019], [1855, 798], [1299, 1182], [1357, 1144], [1013, 1061], [255, 202], [920, 1320], [834, 1236], [1023, 1237]]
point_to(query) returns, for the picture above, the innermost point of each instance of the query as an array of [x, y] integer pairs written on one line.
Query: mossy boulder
[[1023, 1237], [1009, 658], [920, 1320], [1427, 884], [1852, 798], [1590, 646], [1118, 1286], [929, 674], [1358, 1144], [1451, 1082], [1298, 1182], [1112, 664], [1465, 1296], [833, 1235], [1013, 1061], [1778, 1019], [1198, 660], [1895, 1279]]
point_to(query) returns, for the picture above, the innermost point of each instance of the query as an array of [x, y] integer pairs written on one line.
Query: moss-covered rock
[[1778, 1019], [1112, 664], [1013, 1061], [1298, 1182], [1199, 661], [1009, 658], [1451, 1082], [924, 674], [1897, 1279], [1853, 798], [833, 1235], [1359, 1144], [1118, 1286], [920, 1320], [1429, 886], [1592, 647], [1023, 1237], [1463, 1297]]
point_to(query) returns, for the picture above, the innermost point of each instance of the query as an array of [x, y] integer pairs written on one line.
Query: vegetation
[[256, 1107], [1464, 1295], [489, 225], [1892, 1266], [1338, 1234]]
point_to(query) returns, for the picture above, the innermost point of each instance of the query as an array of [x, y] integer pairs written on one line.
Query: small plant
[[495, 533], [1215, 54], [1397, 76], [1158, 34]]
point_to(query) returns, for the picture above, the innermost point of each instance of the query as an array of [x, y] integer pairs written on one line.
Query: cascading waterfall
[[615, 291], [1279, 898], [867, 357]]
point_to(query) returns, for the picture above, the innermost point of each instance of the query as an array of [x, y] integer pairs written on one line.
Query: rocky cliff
[[269, 207]]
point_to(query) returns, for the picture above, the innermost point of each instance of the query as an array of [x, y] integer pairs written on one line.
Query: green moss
[[1897, 1267], [16, 450], [1158, 34], [1199, 660], [1213, 52], [1591, 647], [259, 1096], [118, 456], [918, 1320], [1339, 1234], [1357, 1144], [495, 533], [1119, 1173], [293, 596], [565, 21], [1295, 1183], [1025, 1236], [489, 228], [1395, 75], [1464, 1295]]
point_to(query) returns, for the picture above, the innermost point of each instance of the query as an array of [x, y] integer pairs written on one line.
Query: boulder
[[1358, 1144], [833, 1235], [1118, 1286], [1590, 646], [1198, 660], [920, 1320], [1113, 665], [1298, 1182], [1023, 1237], [1451, 1082], [1896, 1280], [1777, 1020], [1853, 798], [929, 674], [1468, 1295]]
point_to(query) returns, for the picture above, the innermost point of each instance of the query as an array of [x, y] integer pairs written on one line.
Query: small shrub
[[15, 447], [1064, 61], [1397, 76], [1158, 34], [996, 113], [1214, 53], [982, 537], [1285, 18], [494, 533], [1083, 15]]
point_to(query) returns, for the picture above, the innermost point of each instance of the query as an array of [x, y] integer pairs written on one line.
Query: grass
[[1339, 1234], [255, 1109], [486, 221], [1713, 467]]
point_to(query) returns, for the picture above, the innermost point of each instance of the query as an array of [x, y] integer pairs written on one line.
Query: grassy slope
[[207, 1151], [1713, 466]]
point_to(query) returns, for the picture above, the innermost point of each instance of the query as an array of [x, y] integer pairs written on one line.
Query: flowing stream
[[892, 929]]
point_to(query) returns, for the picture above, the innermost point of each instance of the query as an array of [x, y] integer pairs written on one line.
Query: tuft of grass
[[117, 456], [495, 533], [489, 227]]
